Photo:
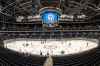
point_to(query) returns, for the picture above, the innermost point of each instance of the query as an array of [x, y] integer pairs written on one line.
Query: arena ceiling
[[87, 7]]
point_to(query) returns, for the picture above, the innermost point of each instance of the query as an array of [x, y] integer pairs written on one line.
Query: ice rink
[[51, 47]]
